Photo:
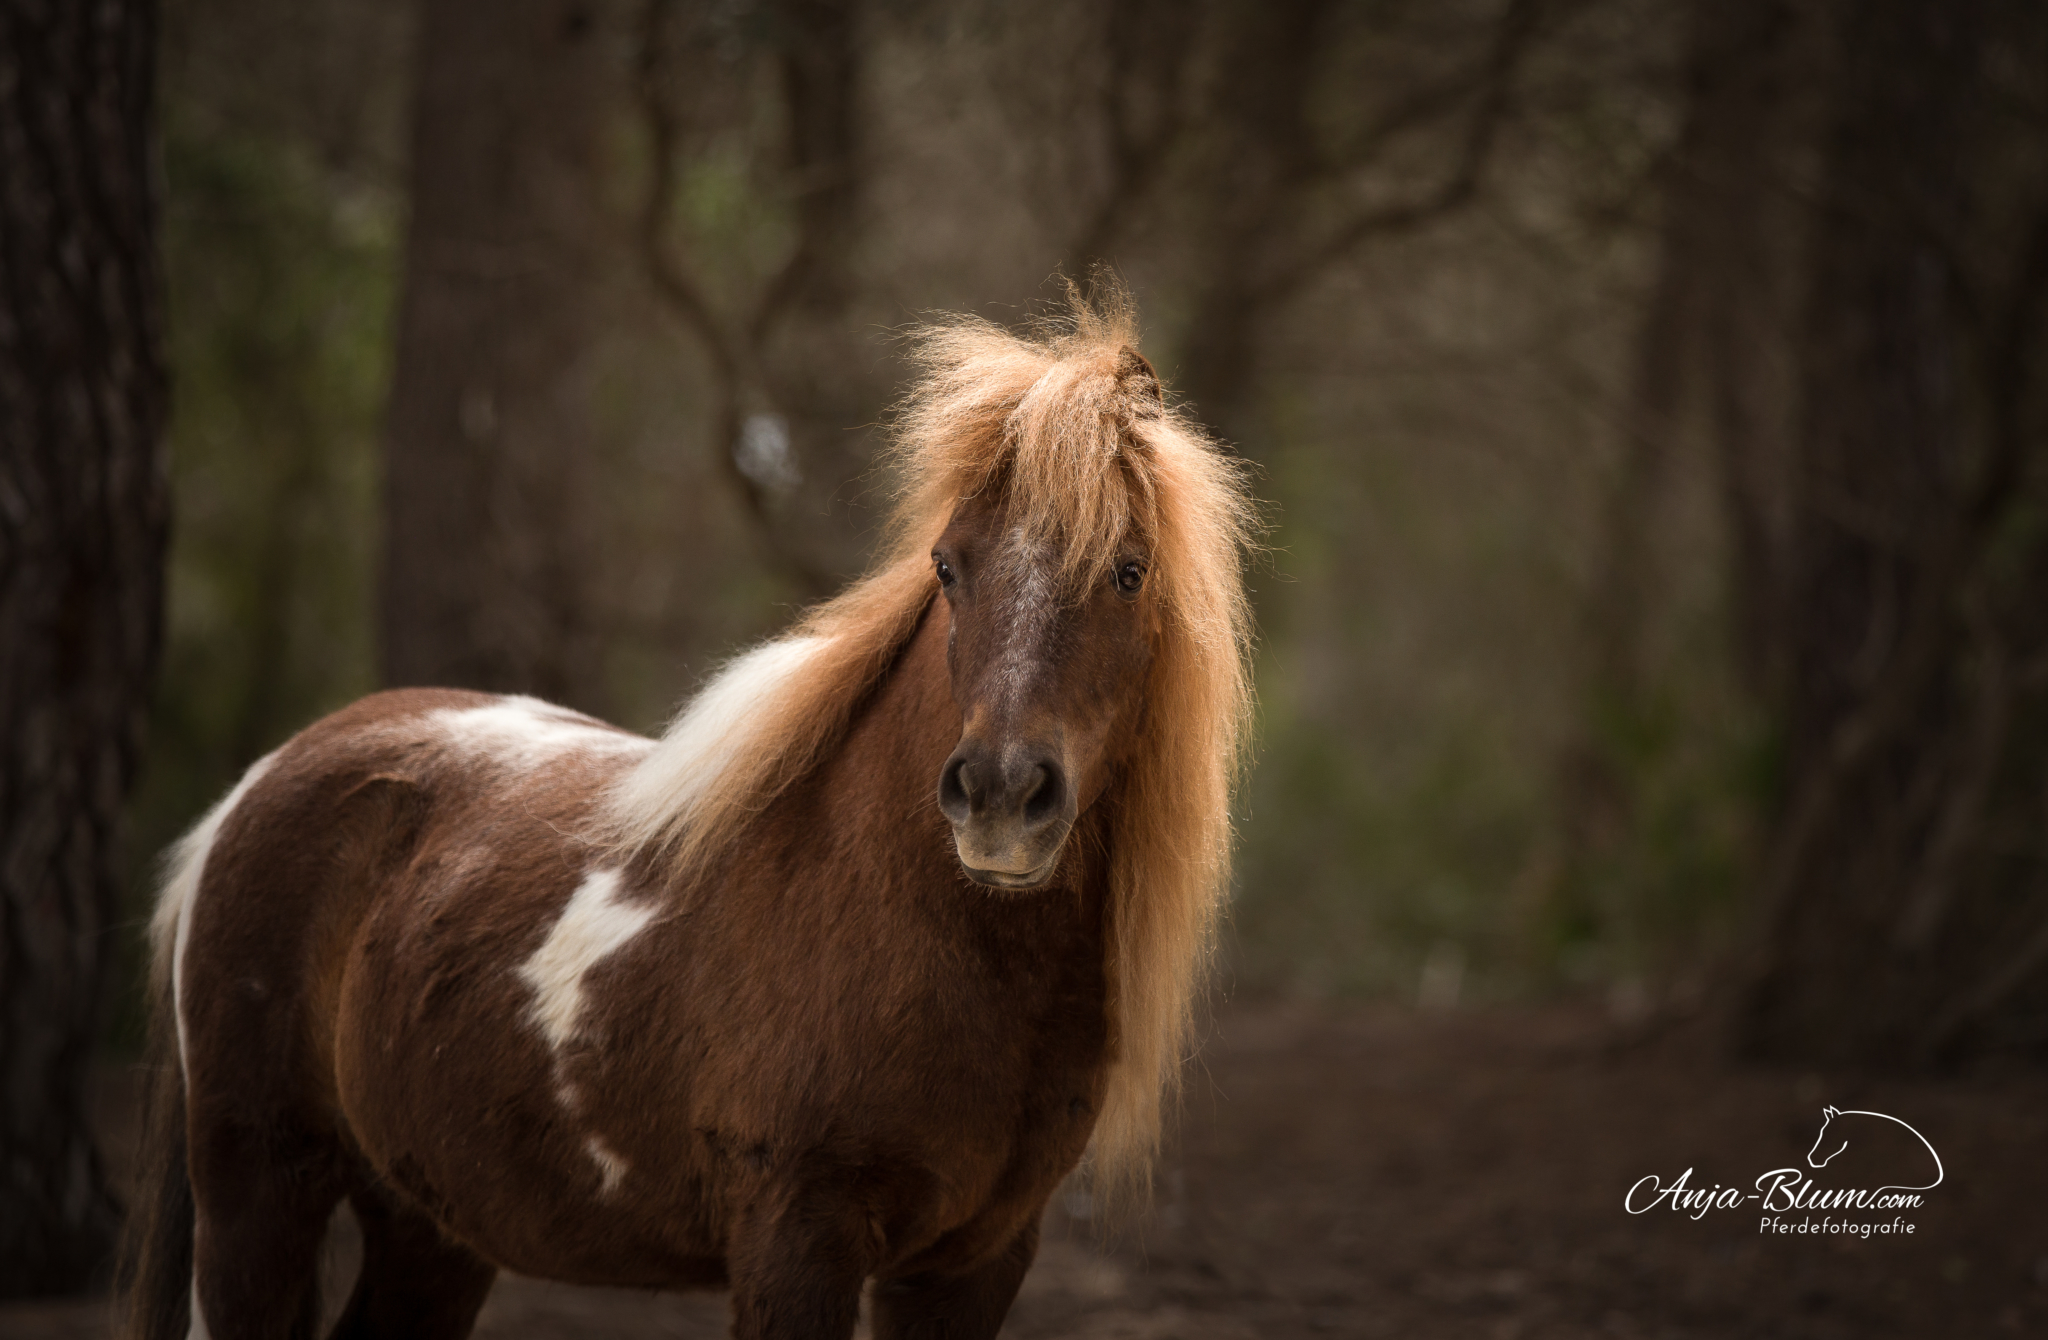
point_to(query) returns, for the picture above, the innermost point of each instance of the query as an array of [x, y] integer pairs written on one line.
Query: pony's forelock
[[1067, 424], [1058, 421]]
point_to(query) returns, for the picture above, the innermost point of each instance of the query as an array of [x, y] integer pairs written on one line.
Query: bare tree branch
[[1515, 34], [733, 363], [1146, 42]]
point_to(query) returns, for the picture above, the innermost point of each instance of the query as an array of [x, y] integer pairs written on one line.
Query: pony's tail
[[154, 1286]]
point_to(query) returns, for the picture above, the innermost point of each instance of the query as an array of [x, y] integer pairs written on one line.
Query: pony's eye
[[945, 570], [1130, 577]]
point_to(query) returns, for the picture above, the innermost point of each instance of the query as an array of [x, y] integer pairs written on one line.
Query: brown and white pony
[[832, 983]]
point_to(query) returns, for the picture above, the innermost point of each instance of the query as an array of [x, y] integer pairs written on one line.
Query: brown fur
[[805, 1051], [1072, 425]]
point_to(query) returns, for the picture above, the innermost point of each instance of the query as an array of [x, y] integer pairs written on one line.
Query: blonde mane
[[1069, 421]]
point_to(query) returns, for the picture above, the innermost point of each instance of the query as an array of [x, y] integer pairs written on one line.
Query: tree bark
[[486, 549], [83, 504]]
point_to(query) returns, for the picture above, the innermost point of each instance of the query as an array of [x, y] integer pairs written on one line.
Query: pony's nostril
[[975, 788], [954, 801], [1046, 796]]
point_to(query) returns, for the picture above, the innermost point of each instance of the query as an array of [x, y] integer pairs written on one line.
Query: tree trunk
[[83, 504], [1711, 332], [1263, 161], [1886, 891], [486, 545], [805, 333]]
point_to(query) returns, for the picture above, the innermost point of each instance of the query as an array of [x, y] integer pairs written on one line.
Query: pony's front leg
[[796, 1270], [955, 1307]]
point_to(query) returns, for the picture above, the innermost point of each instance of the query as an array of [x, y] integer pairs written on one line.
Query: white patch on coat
[[594, 926], [526, 732], [611, 1168], [716, 728], [170, 926]]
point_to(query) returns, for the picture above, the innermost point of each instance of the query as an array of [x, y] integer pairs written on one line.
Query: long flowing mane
[[1086, 453]]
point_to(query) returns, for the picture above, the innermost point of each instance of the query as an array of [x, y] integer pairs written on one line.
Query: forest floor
[[1376, 1172]]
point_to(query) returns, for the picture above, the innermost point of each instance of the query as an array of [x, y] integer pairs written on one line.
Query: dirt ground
[[1375, 1172]]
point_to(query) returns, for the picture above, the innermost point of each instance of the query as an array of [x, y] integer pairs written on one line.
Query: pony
[[1885, 1136], [817, 996]]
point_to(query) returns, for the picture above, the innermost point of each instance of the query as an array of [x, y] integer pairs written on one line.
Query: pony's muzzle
[[1010, 809]]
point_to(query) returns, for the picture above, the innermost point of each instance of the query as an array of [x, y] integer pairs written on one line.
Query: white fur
[[610, 1166], [198, 1329], [526, 732], [171, 924], [1033, 603], [685, 766], [592, 927]]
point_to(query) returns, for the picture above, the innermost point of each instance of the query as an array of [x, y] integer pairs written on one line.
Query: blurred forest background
[[1396, 254], [1648, 396], [1566, 336]]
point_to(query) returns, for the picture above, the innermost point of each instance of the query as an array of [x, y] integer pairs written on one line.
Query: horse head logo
[[1816, 1159], [1838, 1128]]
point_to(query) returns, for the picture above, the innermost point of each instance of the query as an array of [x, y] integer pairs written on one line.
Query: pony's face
[[1049, 674]]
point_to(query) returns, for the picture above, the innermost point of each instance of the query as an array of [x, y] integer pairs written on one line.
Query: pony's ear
[[1831, 1112], [1135, 375]]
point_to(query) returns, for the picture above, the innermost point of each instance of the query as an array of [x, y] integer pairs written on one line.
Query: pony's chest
[[646, 1077]]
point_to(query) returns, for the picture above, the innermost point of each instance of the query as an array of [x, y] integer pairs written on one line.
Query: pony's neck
[[884, 776]]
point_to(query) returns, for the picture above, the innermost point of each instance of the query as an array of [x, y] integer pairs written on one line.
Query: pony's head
[[1087, 541], [1814, 1157], [1051, 632]]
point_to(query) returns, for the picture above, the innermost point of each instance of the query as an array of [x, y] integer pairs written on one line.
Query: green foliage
[[1397, 791], [1352, 870], [723, 212], [1652, 890]]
